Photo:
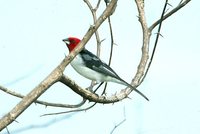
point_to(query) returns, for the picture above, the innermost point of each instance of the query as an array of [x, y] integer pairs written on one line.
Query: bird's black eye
[[72, 41]]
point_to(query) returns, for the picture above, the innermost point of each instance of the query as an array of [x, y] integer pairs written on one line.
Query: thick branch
[[92, 96], [156, 41], [30, 98], [145, 46]]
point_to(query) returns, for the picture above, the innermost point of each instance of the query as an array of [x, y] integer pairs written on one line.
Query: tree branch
[[57, 74], [111, 46], [181, 4], [93, 11], [156, 41], [120, 123], [70, 111], [43, 102], [30, 98], [159, 22], [145, 46]]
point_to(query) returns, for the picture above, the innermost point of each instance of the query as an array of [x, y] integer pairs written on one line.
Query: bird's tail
[[133, 88]]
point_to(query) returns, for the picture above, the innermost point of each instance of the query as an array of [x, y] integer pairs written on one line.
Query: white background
[[31, 33]]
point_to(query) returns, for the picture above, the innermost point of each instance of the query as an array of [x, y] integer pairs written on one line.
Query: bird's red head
[[71, 42]]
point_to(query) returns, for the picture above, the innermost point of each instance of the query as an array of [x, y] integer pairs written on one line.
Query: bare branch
[[97, 6], [112, 39], [42, 102], [112, 44], [70, 111], [120, 123], [181, 4], [93, 11], [30, 98], [57, 74], [145, 46], [92, 96], [156, 41], [162, 18], [7, 130]]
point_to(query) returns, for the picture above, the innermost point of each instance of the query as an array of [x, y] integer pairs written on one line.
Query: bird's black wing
[[94, 63]]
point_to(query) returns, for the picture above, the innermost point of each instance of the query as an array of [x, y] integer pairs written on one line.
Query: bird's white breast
[[78, 64]]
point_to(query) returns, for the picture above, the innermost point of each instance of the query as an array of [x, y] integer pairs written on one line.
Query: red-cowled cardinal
[[90, 66]]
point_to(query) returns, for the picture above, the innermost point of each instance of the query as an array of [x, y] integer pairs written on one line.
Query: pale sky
[[31, 47]]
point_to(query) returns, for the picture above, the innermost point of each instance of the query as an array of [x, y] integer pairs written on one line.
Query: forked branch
[[57, 74]]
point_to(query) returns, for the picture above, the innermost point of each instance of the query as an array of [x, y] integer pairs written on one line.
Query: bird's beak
[[66, 41]]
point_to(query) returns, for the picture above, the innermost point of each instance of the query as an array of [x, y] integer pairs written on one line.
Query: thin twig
[[7, 130], [112, 40], [97, 6], [43, 102], [112, 44], [93, 11], [181, 4], [70, 111], [120, 123]]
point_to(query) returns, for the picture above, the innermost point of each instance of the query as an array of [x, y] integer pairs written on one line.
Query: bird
[[92, 67]]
